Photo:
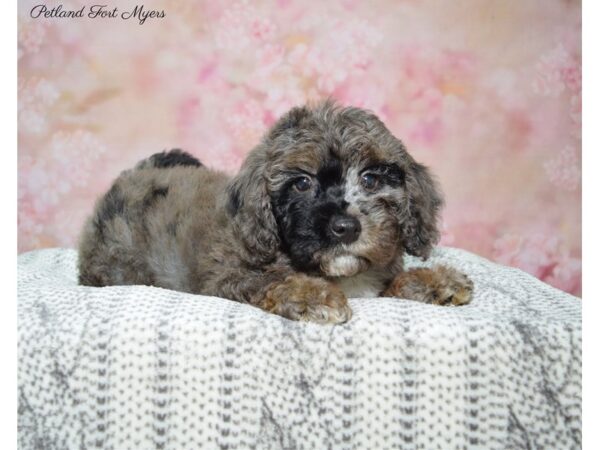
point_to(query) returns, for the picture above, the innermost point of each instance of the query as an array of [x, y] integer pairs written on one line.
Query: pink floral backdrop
[[488, 93]]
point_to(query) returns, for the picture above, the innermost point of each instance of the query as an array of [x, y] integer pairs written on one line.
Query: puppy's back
[[151, 225]]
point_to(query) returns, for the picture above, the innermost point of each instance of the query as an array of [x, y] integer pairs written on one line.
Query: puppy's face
[[337, 203], [343, 194]]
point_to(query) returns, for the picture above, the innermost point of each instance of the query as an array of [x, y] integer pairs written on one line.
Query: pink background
[[488, 93]]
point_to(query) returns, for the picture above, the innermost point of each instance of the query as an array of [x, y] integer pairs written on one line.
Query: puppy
[[323, 209]]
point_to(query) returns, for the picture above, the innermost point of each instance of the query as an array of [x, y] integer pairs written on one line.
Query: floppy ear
[[249, 206], [419, 230], [290, 120]]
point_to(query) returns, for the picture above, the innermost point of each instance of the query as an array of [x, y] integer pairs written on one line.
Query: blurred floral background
[[487, 93]]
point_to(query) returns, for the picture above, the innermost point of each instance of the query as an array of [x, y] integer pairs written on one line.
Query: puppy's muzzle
[[345, 228]]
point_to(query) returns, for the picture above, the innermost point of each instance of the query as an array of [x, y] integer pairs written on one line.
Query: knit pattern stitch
[[139, 367]]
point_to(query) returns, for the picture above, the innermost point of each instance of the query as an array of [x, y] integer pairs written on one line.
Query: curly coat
[[323, 208]]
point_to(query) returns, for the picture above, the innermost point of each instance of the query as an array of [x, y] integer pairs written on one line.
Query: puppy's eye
[[302, 184], [370, 181]]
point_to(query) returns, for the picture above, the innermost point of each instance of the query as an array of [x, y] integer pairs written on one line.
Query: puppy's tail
[[172, 158]]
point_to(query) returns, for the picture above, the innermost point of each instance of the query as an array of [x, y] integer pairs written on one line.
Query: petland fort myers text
[[95, 12]]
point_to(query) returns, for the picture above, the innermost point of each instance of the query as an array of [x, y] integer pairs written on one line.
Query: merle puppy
[[324, 208]]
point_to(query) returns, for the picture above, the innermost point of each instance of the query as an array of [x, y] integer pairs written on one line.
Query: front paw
[[300, 297], [439, 285]]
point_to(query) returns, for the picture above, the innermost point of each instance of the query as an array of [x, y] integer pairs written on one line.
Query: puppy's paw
[[439, 285], [300, 297]]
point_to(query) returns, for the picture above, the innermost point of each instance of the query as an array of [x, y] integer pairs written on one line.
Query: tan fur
[[439, 285], [300, 297]]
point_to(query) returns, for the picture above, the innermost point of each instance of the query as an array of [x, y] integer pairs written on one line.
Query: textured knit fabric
[[142, 367]]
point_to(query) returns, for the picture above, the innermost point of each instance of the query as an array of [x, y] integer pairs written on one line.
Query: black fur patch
[[303, 217], [233, 202], [160, 192], [113, 204], [391, 174], [175, 157], [330, 175], [154, 194]]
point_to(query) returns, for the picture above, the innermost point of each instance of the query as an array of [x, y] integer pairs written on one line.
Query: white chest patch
[[364, 285], [343, 266]]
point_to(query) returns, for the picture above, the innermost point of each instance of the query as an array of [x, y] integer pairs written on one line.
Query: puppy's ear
[[249, 207], [420, 232], [293, 119]]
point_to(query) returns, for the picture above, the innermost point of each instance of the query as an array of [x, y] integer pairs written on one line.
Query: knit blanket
[[138, 367]]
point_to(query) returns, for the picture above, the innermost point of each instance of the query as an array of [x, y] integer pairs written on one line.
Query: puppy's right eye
[[302, 184], [370, 181]]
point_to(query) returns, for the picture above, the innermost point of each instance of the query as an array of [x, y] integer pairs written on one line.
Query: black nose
[[345, 228]]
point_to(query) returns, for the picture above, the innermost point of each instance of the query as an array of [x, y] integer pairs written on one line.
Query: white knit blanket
[[141, 367]]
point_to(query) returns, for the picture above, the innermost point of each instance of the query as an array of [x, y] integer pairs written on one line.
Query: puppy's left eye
[[303, 184], [370, 181]]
